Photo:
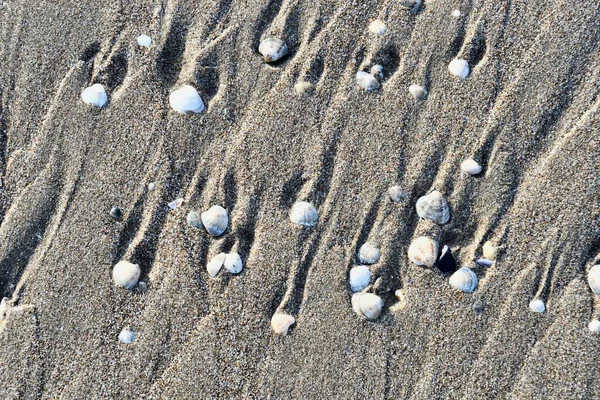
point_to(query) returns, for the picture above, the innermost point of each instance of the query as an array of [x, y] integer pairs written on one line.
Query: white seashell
[[360, 276], [594, 279], [377, 27], [377, 70], [368, 254], [186, 99], [303, 213], [94, 95], [126, 274], [418, 92], [594, 326], [456, 13], [367, 304], [3, 307], [214, 265], [423, 251], [397, 194], [470, 166], [464, 280], [175, 203], [215, 220], [537, 306], [233, 263], [280, 323], [144, 40], [459, 68], [303, 87], [194, 220], [366, 81], [433, 207], [127, 336], [490, 250], [272, 49], [484, 262]]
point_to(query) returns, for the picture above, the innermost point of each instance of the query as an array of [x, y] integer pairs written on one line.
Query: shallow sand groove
[[529, 113]]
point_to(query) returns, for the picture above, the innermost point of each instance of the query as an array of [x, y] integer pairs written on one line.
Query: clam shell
[[470, 166], [126, 274], [186, 99], [377, 70], [214, 265], [594, 326], [144, 41], [418, 92], [94, 95], [127, 336], [433, 207], [368, 254], [594, 279], [377, 27], [360, 276], [367, 304], [303, 213], [490, 250], [272, 49], [366, 81], [464, 280], [233, 263], [215, 220], [396, 194], [423, 251], [194, 220], [537, 306], [459, 68], [280, 323]]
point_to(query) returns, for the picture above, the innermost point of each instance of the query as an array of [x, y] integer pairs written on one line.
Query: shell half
[[423, 251], [272, 49], [186, 100], [280, 323], [126, 274], [368, 305], [470, 166], [459, 68], [537, 306], [433, 207], [594, 279], [94, 95], [233, 263], [367, 81], [214, 265], [464, 280], [215, 220], [418, 92], [368, 254]]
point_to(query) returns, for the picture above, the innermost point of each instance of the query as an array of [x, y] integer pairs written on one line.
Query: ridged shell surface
[[367, 304], [464, 280], [433, 207], [368, 254], [423, 251], [215, 220], [360, 276]]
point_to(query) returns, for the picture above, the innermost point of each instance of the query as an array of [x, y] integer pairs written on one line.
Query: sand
[[528, 113]]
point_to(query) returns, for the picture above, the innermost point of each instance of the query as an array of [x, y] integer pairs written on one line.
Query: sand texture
[[529, 113]]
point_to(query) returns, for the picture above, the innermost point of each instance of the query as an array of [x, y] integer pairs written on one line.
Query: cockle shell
[[272, 49], [537, 306], [377, 27], [186, 99], [366, 81], [144, 40], [594, 279], [215, 220], [470, 166], [233, 263], [214, 265], [360, 276], [433, 207], [377, 70], [194, 220], [459, 68], [397, 194], [423, 251], [490, 250], [464, 280], [367, 304], [368, 254], [594, 326], [304, 213], [127, 336], [280, 323], [418, 92], [126, 274], [94, 95]]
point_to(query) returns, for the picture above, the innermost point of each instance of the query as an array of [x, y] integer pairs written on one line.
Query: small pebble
[[478, 306], [537, 306], [116, 213], [377, 27], [126, 336]]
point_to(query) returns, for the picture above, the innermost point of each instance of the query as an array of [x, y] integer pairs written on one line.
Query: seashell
[[447, 262], [377, 70], [470, 166], [423, 251], [214, 265], [464, 280], [215, 220], [175, 203], [377, 27], [594, 326], [433, 207], [360, 276], [116, 213], [233, 263], [151, 186], [194, 220], [402, 303], [303, 87], [144, 40], [459, 68], [366, 81], [368, 254], [594, 279], [303, 213], [490, 250], [127, 336], [280, 323], [126, 274], [186, 99], [418, 92], [397, 194], [94, 95], [484, 262], [272, 49], [456, 13], [537, 306], [367, 304]]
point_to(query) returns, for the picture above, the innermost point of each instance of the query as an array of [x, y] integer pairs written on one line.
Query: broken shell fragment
[[490, 250], [360, 277], [447, 262], [433, 207], [594, 279], [418, 92], [280, 323], [366, 81], [396, 194], [214, 265], [423, 251], [126, 274], [377, 27], [127, 336], [470, 166], [304, 213], [377, 71], [215, 220], [537, 306], [94, 95], [367, 304], [144, 41], [368, 254], [459, 68], [484, 262], [464, 280], [186, 99], [233, 263], [272, 49], [175, 203]]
